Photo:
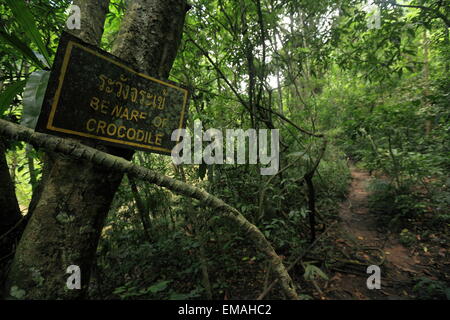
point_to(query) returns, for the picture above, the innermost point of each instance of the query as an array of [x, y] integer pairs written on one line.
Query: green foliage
[[7, 96], [407, 238], [158, 290], [21, 47], [33, 96], [428, 289], [112, 23], [17, 293], [334, 175], [26, 21], [394, 205]]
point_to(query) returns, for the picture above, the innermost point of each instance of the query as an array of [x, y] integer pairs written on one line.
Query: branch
[[76, 150], [299, 258], [293, 124], [205, 53], [241, 100], [436, 12], [316, 164]]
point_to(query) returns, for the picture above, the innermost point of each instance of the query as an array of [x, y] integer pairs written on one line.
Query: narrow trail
[[361, 242]]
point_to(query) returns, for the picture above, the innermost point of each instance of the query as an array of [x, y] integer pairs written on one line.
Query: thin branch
[[241, 100], [282, 117], [205, 53], [299, 258], [434, 11]]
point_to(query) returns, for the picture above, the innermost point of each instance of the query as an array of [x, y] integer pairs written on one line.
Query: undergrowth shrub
[[394, 204], [428, 289]]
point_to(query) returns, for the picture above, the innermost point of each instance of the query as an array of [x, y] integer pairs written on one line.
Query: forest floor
[[361, 243]]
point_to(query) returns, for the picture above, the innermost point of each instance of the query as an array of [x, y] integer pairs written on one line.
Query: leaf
[[26, 20], [20, 46], [119, 290], [298, 155], [33, 96], [158, 287], [8, 95], [179, 296], [17, 293]]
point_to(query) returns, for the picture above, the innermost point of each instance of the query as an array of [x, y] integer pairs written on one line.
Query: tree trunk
[[140, 206], [68, 217], [426, 79], [9, 214]]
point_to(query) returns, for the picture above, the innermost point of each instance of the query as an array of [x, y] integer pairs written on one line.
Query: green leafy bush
[[428, 289], [394, 205]]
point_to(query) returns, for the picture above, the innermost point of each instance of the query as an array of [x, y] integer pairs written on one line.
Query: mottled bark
[[93, 14], [106, 161], [68, 217], [150, 35]]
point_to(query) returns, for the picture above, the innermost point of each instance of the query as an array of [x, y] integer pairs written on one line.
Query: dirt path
[[363, 245]]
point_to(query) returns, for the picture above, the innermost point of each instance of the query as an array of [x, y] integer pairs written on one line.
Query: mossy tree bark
[[67, 219]]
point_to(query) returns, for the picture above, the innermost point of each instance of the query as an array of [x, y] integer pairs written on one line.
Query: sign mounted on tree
[[93, 94]]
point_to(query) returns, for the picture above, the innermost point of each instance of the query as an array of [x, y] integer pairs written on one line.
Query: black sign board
[[93, 94]]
